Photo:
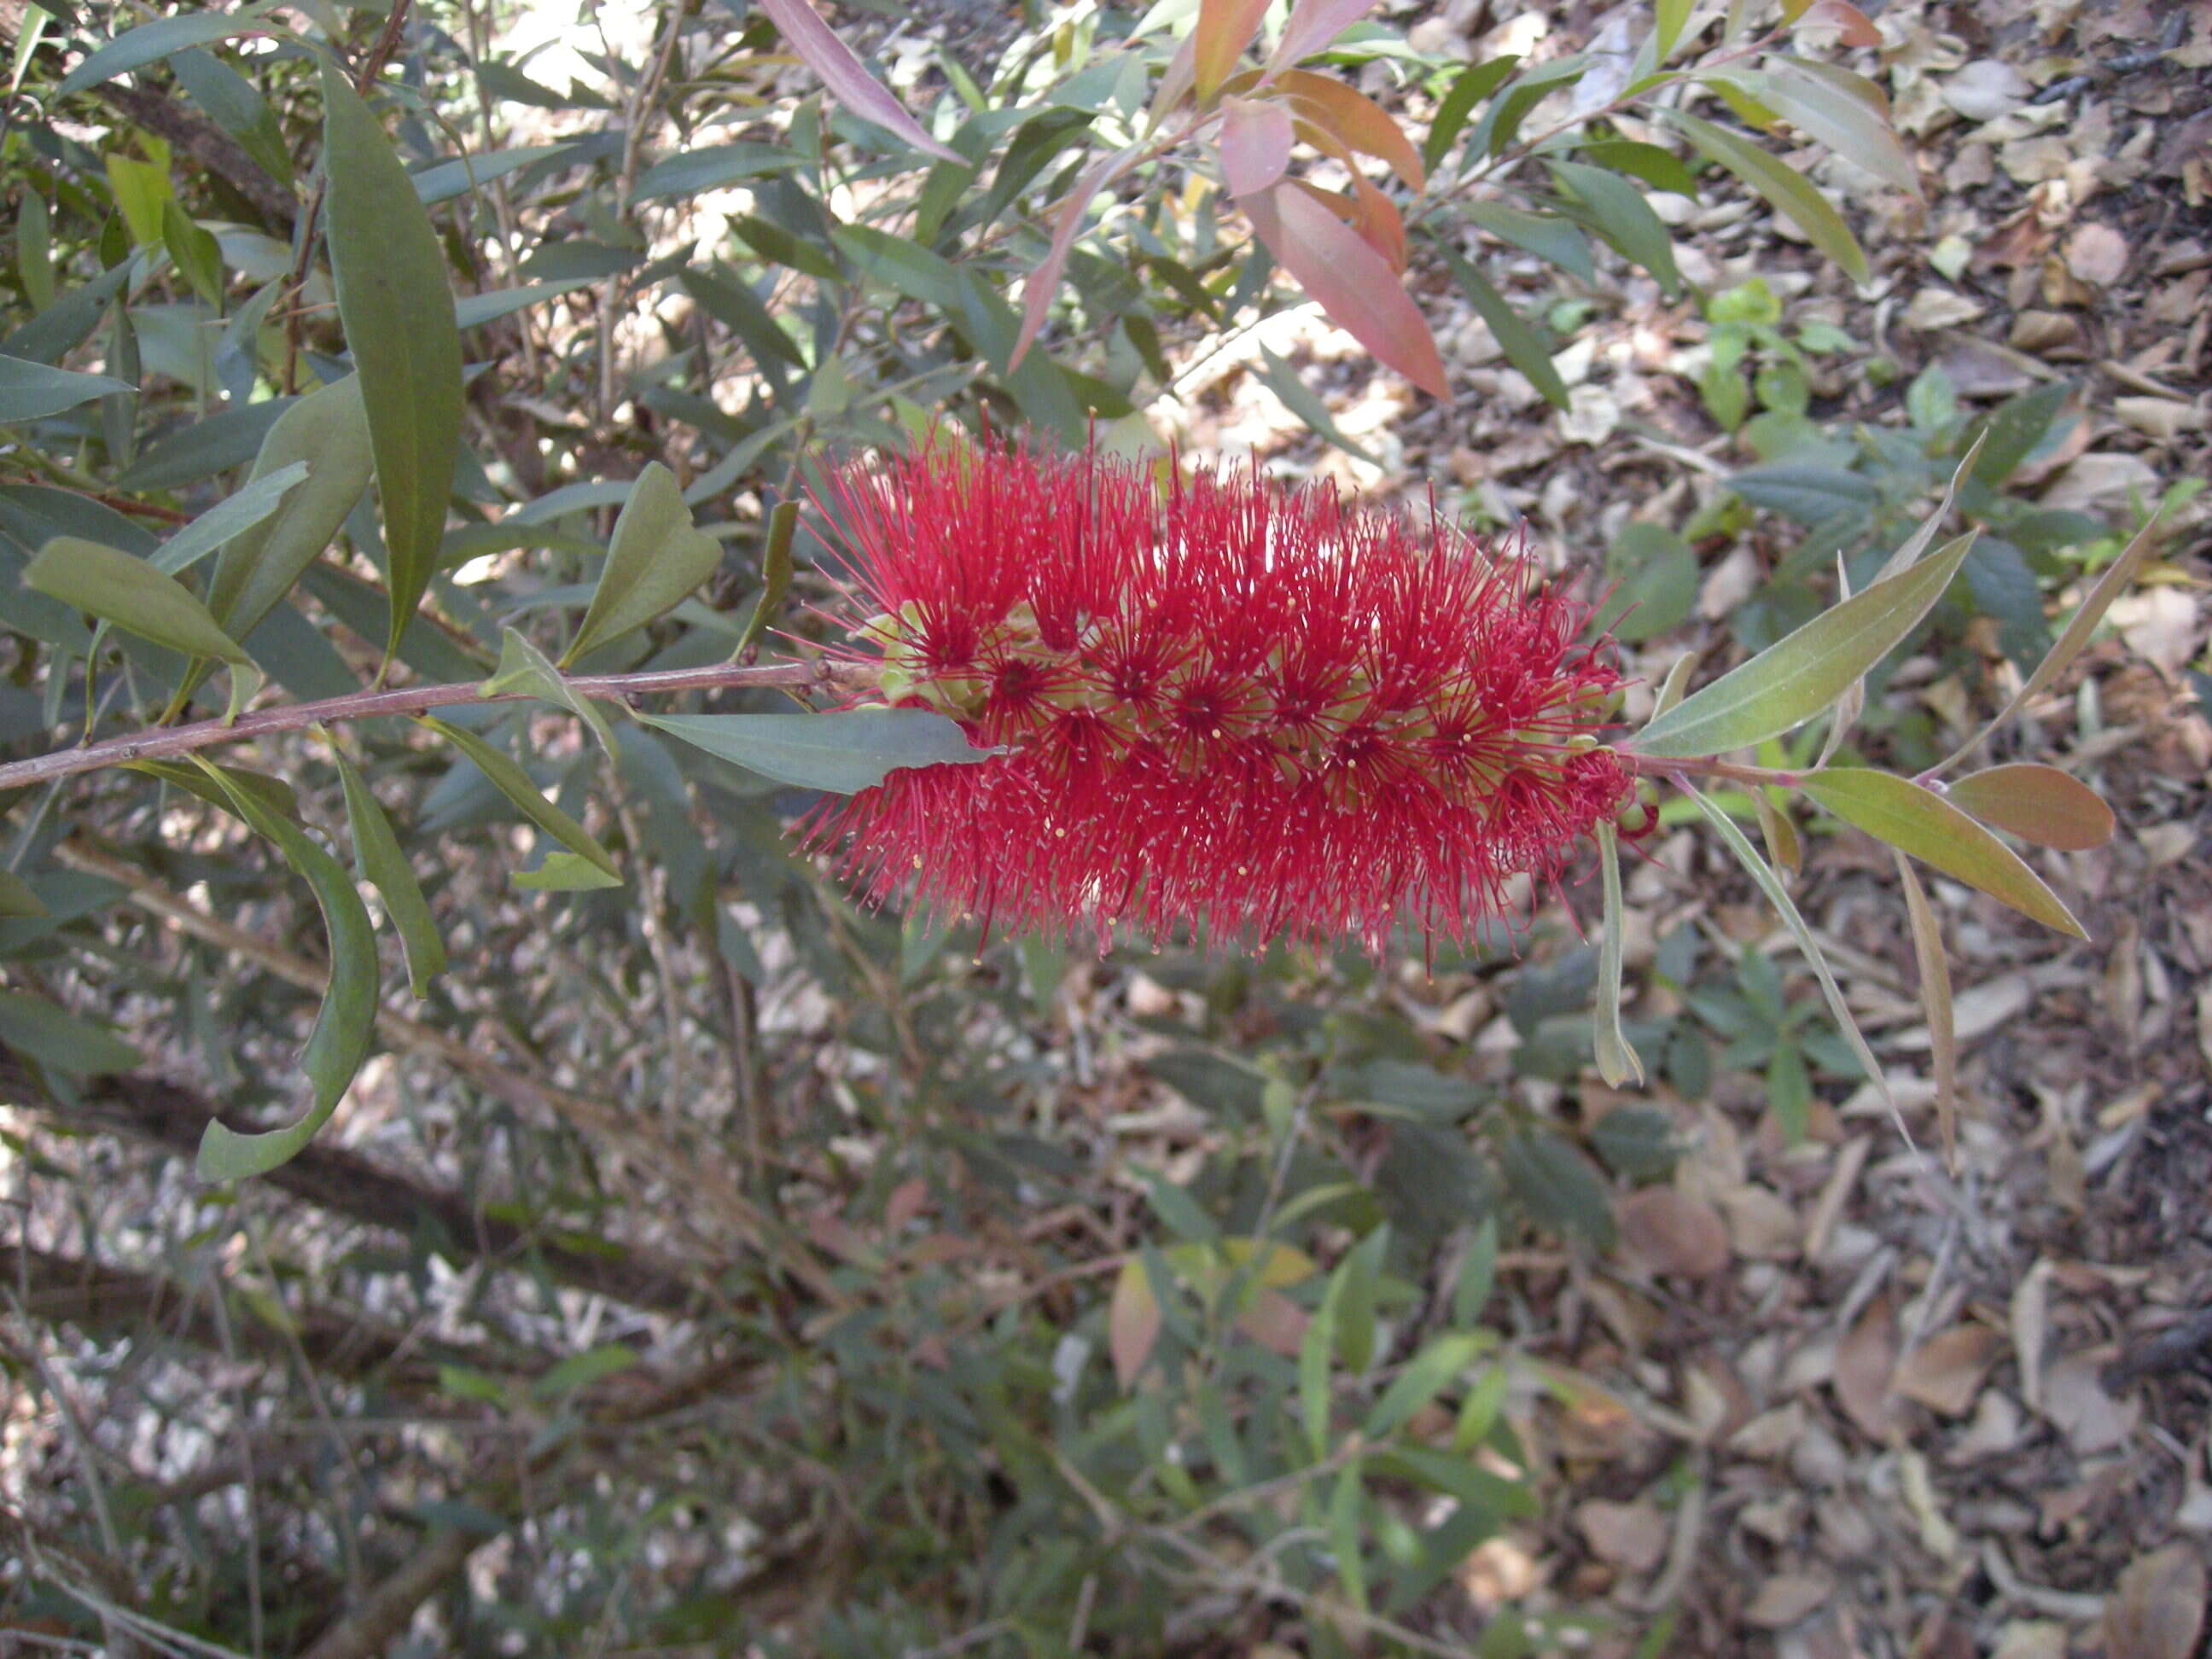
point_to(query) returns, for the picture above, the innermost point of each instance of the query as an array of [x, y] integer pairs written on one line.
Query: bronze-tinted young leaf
[[1936, 999], [508, 776], [841, 752], [2109, 587], [2038, 804], [1224, 28], [654, 563], [398, 310], [1617, 1061], [1044, 281], [381, 860], [1255, 143], [847, 77], [1785, 188], [327, 430], [1901, 813], [1804, 672], [130, 593], [1356, 119], [344, 1026], [1354, 283], [1313, 24]]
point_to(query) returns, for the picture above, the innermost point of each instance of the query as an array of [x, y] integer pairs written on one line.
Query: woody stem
[[165, 742]]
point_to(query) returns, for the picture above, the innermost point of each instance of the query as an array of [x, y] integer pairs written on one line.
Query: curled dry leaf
[[2157, 1609], [1945, 1372]]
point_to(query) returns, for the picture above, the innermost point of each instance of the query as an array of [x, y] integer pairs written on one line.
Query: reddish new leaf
[[1224, 28], [1255, 143], [1858, 30], [1352, 281], [1132, 1321], [1367, 211], [1313, 25], [845, 76], [1044, 281], [2038, 804], [1356, 120]]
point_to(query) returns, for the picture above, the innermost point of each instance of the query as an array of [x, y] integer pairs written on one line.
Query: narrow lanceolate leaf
[[1778, 895], [2109, 586], [588, 864], [1313, 24], [1255, 143], [18, 897], [398, 311], [1935, 1000], [127, 592], [1803, 673], [1357, 121], [1909, 551], [253, 502], [346, 1024], [1617, 1061], [327, 430], [1044, 281], [380, 859], [775, 576], [525, 670], [1224, 28], [843, 753], [31, 392], [1787, 190], [1846, 111], [655, 560], [2038, 804], [150, 42], [1524, 347], [847, 77], [1780, 834], [1901, 813], [1352, 281]]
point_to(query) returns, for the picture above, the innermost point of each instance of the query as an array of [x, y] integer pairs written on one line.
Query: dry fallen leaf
[[1865, 1360], [1787, 1597], [2157, 1609], [2097, 254], [1630, 1537], [2075, 1401], [1986, 89], [1673, 1233], [1945, 1372]]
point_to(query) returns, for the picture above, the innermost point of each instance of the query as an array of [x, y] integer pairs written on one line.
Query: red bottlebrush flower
[[1224, 703]]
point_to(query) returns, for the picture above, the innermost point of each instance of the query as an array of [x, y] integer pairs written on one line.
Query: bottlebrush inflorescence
[[1222, 704]]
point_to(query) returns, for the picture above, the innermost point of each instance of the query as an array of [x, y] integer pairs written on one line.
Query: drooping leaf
[[345, 1025], [1545, 235], [1846, 111], [1044, 281], [1281, 377], [1914, 819], [43, 1031], [1787, 191], [775, 576], [398, 310], [150, 42], [1312, 24], [1617, 1060], [1524, 347], [1224, 29], [1935, 1000], [654, 561], [381, 861], [841, 752], [847, 77], [1356, 120], [2038, 804], [587, 863], [1616, 209], [1801, 674], [1354, 283], [31, 390], [132, 595], [1474, 83]]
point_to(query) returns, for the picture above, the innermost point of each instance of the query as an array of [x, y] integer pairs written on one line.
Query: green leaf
[[1524, 347], [2009, 434], [564, 871], [344, 1025], [1348, 1529], [1315, 1349], [1557, 1186], [689, 172], [328, 430], [379, 860], [842, 752], [1475, 82], [1658, 585], [232, 516], [150, 42], [1662, 169], [2038, 804], [1281, 377], [1639, 1142], [508, 776], [194, 252], [1616, 1057], [582, 1369], [1843, 111], [899, 265], [1786, 189], [132, 595], [31, 392], [655, 560], [1801, 674], [525, 670], [57, 1039], [1352, 1286], [1901, 813], [1616, 209], [1778, 895], [1545, 235], [1427, 1374], [775, 576], [18, 897], [398, 310]]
